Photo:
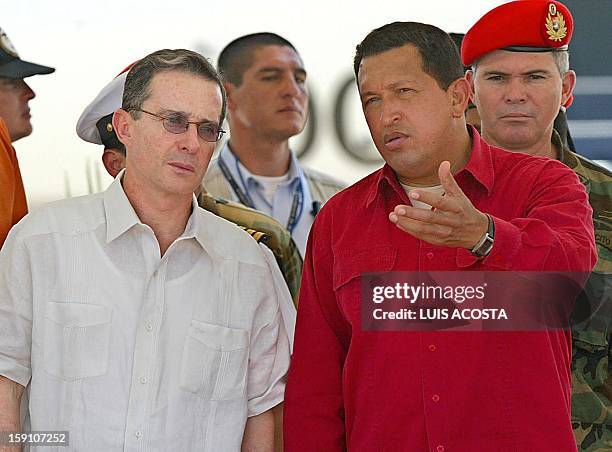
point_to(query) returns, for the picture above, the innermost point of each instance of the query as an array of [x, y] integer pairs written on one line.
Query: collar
[[480, 164], [295, 170], [479, 167], [562, 151], [121, 216]]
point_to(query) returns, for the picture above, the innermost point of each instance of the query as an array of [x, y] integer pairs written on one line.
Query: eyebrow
[[390, 86], [167, 112], [277, 70], [534, 71]]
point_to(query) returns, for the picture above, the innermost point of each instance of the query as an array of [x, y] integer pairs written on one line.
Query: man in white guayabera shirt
[[139, 320]]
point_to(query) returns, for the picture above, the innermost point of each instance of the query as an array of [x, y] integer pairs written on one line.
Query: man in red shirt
[[445, 200], [14, 124]]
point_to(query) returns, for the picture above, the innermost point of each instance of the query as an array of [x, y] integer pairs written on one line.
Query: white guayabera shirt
[[130, 351]]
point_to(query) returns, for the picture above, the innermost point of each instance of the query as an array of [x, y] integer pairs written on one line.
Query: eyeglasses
[[177, 123]]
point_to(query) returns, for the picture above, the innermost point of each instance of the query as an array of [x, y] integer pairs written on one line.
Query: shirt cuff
[[267, 401], [506, 243]]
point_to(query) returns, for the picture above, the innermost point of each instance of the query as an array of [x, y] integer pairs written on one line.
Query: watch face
[[484, 249], [487, 246]]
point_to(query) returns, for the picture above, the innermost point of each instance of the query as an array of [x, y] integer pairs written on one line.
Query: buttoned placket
[[147, 335], [433, 389]]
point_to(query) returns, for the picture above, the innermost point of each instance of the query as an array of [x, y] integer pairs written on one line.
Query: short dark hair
[[237, 56], [138, 80], [439, 55]]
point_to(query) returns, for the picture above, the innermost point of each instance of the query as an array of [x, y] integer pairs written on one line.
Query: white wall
[[90, 42]]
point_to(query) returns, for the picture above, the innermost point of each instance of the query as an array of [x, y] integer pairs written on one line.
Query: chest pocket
[[350, 266], [77, 340], [215, 361]]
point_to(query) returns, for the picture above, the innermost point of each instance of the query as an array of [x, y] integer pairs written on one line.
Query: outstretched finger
[[426, 215], [435, 200], [447, 180]]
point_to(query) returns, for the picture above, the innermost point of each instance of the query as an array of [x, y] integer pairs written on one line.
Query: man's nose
[[291, 86], [191, 139], [390, 112], [515, 91], [27, 92]]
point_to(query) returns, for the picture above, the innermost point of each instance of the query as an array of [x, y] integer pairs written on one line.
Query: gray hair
[[560, 57], [138, 81], [562, 61]]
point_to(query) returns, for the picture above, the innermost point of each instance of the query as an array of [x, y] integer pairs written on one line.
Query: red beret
[[520, 26]]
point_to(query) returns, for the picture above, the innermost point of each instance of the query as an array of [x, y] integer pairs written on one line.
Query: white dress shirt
[[130, 351]]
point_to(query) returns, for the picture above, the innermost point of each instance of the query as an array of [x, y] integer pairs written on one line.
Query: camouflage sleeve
[[592, 320], [591, 377], [277, 238]]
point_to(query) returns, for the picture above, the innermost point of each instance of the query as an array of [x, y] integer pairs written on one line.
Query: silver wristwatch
[[485, 244]]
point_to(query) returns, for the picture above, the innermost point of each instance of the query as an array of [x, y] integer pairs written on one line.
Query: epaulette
[[260, 237]]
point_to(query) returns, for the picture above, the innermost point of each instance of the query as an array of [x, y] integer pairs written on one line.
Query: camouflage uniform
[[264, 229], [591, 354]]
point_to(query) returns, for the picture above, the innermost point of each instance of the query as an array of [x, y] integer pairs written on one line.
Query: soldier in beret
[[14, 125], [520, 76]]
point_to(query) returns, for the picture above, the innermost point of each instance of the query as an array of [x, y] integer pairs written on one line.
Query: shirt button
[[432, 348], [143, 380], [435, 398], [430, 255], [440, 448], [149, 327], [138, 434]]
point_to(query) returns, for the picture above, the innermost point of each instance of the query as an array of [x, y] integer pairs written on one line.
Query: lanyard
[[297, 205]]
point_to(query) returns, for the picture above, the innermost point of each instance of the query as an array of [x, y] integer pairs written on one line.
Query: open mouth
[[394, 140]]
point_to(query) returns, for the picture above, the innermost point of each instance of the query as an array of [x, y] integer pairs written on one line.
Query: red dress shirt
[[357, 390]]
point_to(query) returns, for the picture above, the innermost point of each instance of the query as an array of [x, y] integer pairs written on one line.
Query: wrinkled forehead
[[184, 92], [388, 67]]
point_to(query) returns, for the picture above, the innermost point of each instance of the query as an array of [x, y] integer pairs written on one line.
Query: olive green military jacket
[[592, 318]]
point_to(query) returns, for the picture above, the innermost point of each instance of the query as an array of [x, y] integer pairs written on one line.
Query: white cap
[[106, 102]]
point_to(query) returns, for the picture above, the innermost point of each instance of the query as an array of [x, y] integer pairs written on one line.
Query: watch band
[[485, 244]]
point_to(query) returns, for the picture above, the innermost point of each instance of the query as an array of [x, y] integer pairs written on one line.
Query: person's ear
[[568, 82], [122, 124], [113, 161], [459, 93], [469, 76], [230, 90]]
